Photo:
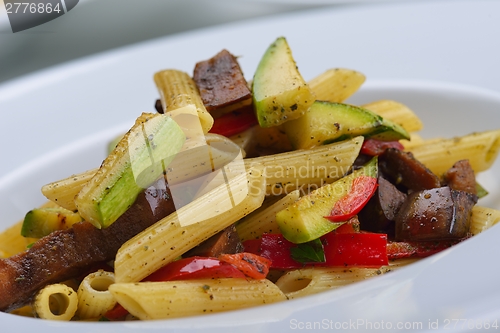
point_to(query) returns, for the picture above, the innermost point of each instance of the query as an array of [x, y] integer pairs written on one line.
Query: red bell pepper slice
[[341, 249], [118, 312], [362, 189], [373, 147], [362, 249], [250, 264], [234, 122], [274, 247], [195, 268]]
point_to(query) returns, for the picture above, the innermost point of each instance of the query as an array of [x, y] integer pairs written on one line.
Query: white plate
[[400, 48]]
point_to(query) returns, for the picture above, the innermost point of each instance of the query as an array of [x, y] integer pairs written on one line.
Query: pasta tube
[[94, 298], [312, 280], [245, 140], [264, 220], [309, 168], [481, 149], [63, 192], [161, 300], [172, 236], [308, 281], [56, 302], [336, 84], [178, 91], [396, 112], [483, 218]]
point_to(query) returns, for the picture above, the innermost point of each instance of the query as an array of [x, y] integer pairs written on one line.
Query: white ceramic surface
[[404, 49]]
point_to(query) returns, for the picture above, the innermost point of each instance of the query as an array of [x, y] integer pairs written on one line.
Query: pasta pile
[[260, 187]]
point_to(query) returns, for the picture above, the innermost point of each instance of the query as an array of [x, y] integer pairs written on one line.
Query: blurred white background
[[98, 25]]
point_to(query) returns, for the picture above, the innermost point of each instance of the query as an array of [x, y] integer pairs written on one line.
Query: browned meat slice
[[401, 168], [226, 241], [380, 212], [221, 83], [461, 177], [440, 213], [64, 254]]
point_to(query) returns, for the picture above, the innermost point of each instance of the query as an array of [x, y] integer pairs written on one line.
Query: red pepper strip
[[252, 246], [252, 265], [398, 250], [373, 147], [234, 122], [118, 312], [363, 249], [362, 189], [195, 268], [341, 249], [275, 248]]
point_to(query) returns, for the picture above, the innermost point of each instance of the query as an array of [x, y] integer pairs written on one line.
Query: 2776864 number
[[31, 7], [470, 324]]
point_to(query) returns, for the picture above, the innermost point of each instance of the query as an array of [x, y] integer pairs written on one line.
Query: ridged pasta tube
[[263, 220], [312, 280], [308, 168], [161, 300], [56, 302], [177, 91], [483, 218], [63, 192], [396, 112], [481, 149], [94, 298], [336, 84]]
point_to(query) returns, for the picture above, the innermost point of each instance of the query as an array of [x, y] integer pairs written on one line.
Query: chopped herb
[[309, 252]]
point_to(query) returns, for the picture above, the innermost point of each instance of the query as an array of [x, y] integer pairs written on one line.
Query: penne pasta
[[481, 149], [94, 298], [64, 191], [309, 281], [336, 84], [483, 218], [263, 220], [179, 94], [172, 236], [173, 299], [306, 169], [312, 280], [398, 113], [56, 302], [245, 140]]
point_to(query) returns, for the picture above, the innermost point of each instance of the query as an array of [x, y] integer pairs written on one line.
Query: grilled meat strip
[[461, 177], [67, 253], [225, 241], [221, 83]]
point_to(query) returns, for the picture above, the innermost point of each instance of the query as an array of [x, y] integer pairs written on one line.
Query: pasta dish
[[233, 193]]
